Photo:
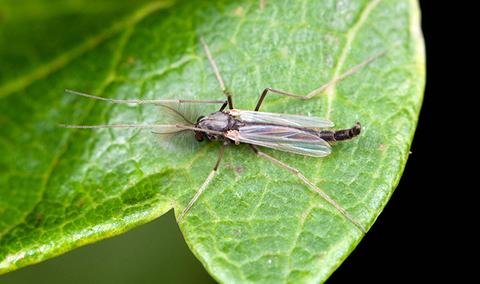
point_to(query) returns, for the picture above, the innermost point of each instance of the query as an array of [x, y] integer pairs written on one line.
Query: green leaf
[[64, 188]]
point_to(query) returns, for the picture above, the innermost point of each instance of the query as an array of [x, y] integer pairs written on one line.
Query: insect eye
[[199, 136]]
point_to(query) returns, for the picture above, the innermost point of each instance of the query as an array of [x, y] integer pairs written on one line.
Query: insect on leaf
[[64, 188]]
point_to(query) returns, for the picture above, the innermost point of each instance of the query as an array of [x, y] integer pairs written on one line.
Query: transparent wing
[[281, 119], [282, 138]]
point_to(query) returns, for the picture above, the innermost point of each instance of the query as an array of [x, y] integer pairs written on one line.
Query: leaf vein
[[352, 32]]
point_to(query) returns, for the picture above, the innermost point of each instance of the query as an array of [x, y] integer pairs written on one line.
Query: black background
[[407, 242]]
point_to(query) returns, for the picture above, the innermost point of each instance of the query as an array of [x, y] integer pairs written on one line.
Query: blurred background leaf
[[155, 252], [39, 37]]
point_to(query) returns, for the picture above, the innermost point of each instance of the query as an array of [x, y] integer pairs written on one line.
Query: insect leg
[[223, 106], [143, 126], [217, 73], [204, 185], [158, 126], [141, 102], [324, 195], [322, 88]]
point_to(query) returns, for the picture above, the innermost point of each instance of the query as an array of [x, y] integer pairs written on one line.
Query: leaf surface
[[63, 188]]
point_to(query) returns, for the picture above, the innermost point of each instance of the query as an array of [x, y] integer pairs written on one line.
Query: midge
[[285, 132]]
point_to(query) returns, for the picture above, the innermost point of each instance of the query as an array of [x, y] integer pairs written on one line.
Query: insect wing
[[282, 119], [282, 138]]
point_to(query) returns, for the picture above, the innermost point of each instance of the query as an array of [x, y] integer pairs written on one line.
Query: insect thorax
[[217, 121]]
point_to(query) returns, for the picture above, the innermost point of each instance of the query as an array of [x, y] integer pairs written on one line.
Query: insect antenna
[[177, 112], [171, 132], [183, 114]]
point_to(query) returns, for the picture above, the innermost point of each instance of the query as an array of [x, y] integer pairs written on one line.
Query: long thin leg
[[217, 73], [140, 102], [157, 126], [322, 88], [324, 195], [204, 185], [223, 106]]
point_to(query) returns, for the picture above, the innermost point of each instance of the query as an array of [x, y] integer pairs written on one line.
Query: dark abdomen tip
[[347, 134], [354, 131]]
